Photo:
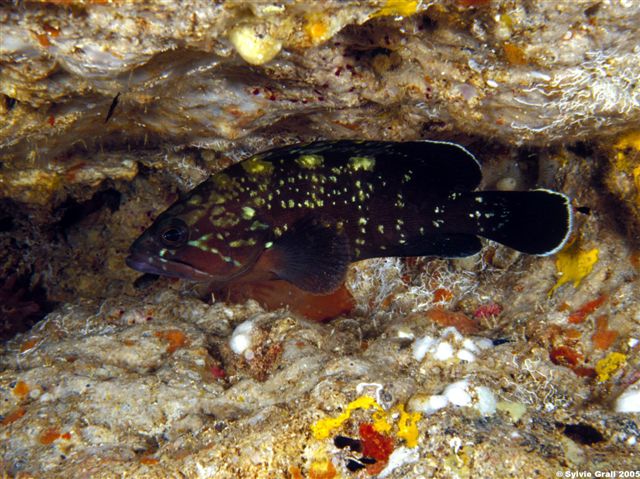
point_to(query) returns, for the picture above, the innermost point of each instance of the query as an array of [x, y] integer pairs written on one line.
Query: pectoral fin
[[313, 255]]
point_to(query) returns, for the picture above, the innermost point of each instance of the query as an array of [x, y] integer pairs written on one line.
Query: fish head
[[197, 242]]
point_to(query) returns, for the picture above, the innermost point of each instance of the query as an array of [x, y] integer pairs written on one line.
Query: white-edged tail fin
[[535, 222]]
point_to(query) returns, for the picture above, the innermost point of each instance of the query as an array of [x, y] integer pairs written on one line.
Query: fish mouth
[[164, 267]]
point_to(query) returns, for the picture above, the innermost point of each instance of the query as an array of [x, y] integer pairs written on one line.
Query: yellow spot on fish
[[217, 211], [381, 229], [257, 225], [216, 198], [310, 162], [196, 244], [248, 212], [257, 166], [192, 217], [195, 200], [223, 181], [365, 163], [574, 264], [226, 221], [242, 242]]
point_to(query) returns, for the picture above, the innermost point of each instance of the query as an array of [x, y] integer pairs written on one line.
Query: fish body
[[302, 213]]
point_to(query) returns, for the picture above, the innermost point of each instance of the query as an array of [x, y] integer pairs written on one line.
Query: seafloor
[[497, 365]]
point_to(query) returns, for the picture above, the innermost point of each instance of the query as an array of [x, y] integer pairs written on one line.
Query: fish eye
[[174, 234]]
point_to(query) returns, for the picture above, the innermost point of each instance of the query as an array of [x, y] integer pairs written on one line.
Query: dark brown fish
[[302, 213]]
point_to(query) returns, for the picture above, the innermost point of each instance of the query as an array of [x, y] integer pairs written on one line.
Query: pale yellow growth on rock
[[382, 421], [609, 365], [574, 264], [629, 140], [515, 409], [317, 28], [408, 427], [254, 47], [322, 428], [401, 8], [628, 163]]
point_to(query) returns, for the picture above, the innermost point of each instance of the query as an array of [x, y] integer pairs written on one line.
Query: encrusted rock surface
[[149, 385], [517, 71], [109, 110]]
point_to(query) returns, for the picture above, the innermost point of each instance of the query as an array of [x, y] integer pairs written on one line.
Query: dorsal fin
[[434, 164]]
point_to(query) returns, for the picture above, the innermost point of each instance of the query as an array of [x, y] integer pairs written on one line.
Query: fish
[[303, 213]]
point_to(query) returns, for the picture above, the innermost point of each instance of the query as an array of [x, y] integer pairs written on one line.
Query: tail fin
[[535, 222]]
